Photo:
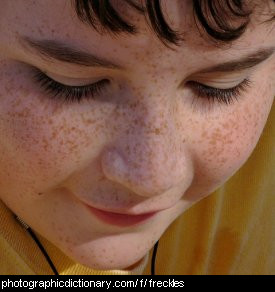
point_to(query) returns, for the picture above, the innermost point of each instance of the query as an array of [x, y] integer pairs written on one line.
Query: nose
[[149, 159]]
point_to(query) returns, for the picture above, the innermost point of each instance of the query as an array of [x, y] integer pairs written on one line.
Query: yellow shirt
[[232, 231]]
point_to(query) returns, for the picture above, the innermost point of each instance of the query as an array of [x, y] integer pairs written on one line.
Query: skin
[[139, 146]]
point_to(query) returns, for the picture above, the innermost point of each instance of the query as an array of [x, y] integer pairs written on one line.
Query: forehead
[[58, 20]]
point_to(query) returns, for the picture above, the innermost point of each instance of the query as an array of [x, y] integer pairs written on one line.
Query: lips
[[121, 220]]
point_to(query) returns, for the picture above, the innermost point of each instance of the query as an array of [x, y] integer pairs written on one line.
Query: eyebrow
[[245, 62], [56, 50]]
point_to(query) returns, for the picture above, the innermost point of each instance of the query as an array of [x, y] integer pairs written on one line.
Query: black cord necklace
[[49, 259], [154, 258], [38, 243]]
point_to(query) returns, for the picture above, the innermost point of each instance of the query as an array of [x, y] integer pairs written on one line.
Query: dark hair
[[214, 16]]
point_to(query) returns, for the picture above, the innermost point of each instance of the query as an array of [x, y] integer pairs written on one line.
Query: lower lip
[[120, 220]]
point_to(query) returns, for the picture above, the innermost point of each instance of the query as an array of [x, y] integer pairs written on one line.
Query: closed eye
[[213, 94], [71, 94], [66, 93]]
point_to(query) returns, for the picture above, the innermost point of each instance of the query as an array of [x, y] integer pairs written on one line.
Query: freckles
[[228, 145], [217, 140], [254, 121], [219, 148]]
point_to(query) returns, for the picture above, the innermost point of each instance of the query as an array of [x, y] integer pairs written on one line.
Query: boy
[[108, 138]]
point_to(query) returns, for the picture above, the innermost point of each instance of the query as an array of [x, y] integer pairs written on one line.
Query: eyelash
[[221, 96], [71, 94], [68, 94]]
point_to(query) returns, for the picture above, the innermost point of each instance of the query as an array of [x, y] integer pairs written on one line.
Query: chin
[[106, 264], [111, 260]]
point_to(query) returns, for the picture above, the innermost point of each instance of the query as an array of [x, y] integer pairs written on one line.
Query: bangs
[[222, 21]]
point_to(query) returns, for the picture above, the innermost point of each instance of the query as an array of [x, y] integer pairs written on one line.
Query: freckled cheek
[[41, 138], [229, 146], [39, 148]]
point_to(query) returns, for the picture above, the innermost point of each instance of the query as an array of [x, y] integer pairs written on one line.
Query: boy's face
[[147, 142]]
